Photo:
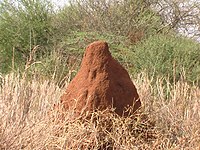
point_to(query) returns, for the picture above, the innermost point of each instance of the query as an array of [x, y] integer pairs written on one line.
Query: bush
[[160, 55], [23, 25], [169, 56]]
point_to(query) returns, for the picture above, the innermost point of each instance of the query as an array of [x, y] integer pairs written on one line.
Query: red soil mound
[[100, 83]]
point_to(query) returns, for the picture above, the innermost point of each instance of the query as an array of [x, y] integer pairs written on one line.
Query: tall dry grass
[[169, 118]]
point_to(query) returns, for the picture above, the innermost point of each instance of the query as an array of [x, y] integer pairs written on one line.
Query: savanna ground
[[28, 120], [41, 52]]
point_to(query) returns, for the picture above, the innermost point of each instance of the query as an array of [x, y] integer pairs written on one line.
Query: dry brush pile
[[169, 118]]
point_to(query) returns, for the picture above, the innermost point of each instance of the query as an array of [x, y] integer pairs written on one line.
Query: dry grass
[[169, 118]]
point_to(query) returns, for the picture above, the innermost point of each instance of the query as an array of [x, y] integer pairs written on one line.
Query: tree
[[183, 16]]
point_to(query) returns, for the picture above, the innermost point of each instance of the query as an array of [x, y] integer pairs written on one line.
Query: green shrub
[[160, 55], [24, 24], [169, 56]]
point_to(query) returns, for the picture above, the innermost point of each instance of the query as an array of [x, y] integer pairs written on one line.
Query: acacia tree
[[182, 16]]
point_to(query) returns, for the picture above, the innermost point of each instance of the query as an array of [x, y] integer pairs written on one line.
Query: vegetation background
[[40, 52]]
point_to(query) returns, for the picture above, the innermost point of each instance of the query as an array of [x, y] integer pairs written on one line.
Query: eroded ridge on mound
[[100, 83]]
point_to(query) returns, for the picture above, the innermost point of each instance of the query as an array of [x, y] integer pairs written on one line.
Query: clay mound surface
[[100, 83]]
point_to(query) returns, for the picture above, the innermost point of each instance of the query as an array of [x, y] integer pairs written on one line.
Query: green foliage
[[135, 33], [169, 56], [23, 25], [9, 60], [113, 17]]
